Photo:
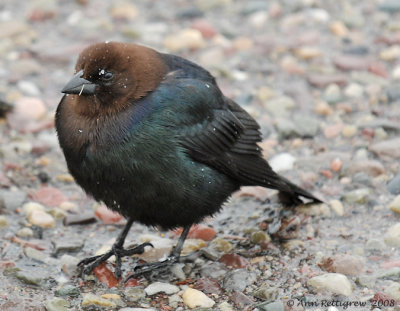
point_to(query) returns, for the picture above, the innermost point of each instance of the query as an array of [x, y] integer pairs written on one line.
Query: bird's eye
[[108, 75]]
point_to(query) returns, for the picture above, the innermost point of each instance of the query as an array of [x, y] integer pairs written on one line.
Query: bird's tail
[[293, 197]]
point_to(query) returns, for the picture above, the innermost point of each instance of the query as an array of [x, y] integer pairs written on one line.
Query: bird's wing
[[225, 137]]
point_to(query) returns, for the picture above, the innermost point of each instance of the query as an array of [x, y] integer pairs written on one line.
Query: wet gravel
[[323, 80]]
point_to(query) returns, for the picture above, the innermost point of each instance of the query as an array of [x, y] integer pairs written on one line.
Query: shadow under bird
[[153, 137]]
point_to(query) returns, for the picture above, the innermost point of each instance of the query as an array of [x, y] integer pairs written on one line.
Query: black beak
[[79, 85]]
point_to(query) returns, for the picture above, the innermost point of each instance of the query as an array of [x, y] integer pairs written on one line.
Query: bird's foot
[[157, 267], [88, 264]]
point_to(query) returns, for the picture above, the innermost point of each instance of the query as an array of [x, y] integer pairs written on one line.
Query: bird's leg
[[117, 250], [162, 265]]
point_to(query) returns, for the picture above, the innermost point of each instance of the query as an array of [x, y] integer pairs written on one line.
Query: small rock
[[273, 306], [42, 219], [30, 108], [234, 260], [332, 94], [354, 90], [30, 207], [208, 286], [259, 237], [29, 278], [349, 131], [393, 186], [393, 92], [194, 298], [3, 221], [67, 178], [67, 291], [192, 245], [241, 300], [279, 105], [174, 300], [225, 306], [57, 304], [322, 108], [351, 62], [91, 299], [337, 207], [357, 196], [348, 264], [391, 53], [79, 219], [374, 245], [333, 282], [332, 131], [28, 88], [392, 236], [186, 39], [267, 293], [393, 290], [134, 293], [285, 128], [308, 52], [124, 11], [57, 213], [389, 274], [69, 264], [369, 167], [391, 6], [390, 148], [221, 245], [282, 162], [395, 205], [238, 280], [68, 245], [214, 270], [25, 232], [306, 126], [35, 254], [339, 29], [159, 287], [49, 196]]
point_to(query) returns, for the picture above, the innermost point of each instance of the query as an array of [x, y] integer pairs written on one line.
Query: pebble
[[71, 244], [192, 245], [225, 306], [221, 245], [308, 52], [393, 185], [393, 290], [332, 93], [354, 90], [41, 219], [79, 219], [13, 199], [279, 105], [351, 62], [134, 293], [194, 298], [68, 290], [30, 277], [393, 92], [94, 300], [348, 264], [174, 300], [185, 39], [388, 148], [267, 293], [285, 128], [234, 260], [3, 222], [305, 126], [338, 29], [369, 167], [395, 204], [49, 196], [28, 88], [359, 196], [259, 237], [159, 287], [124, 11], [333, 282], [208, 286], [282, 162], [238, 280], [337, 207], [374, 245], [29, 108], [35, 254], [25, 232], [389, 274], [391, 6], [57, 304], [392, 236], [390, 54], [273, 306], [213, 270]]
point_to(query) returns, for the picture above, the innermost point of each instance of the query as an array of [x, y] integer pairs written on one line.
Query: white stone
[[41, 219], [395, 204], [159, 287], [392, 236], [393, 290], [28, 88], [354, 90], [335, 282], [282, 162], [30, 207], [337, 207], [194, 298]]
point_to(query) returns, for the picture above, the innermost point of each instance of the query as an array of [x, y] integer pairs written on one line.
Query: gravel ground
[[323, 80]]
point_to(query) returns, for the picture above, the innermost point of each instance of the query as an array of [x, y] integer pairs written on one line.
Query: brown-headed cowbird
[[153, 137]]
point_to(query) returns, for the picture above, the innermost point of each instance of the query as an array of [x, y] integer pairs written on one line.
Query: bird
[[152, 136]]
